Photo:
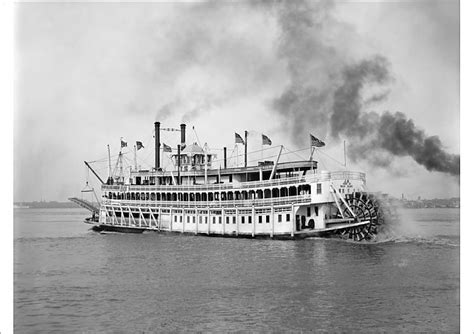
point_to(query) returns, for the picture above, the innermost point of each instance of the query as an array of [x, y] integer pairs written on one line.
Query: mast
[[225, 157], [276, 163], [157, 145], [110, 164], [135, 156], [121, 166]]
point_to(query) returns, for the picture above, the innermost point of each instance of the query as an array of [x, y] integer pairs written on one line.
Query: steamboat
[[272, 199]]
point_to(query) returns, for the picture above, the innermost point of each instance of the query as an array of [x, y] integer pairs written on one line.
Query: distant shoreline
[[45, 205]]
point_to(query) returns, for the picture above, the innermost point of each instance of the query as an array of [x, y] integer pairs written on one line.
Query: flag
[[238, 139], [166, 148], [316, 142], [266, 140], [139, 145], [122, 143]]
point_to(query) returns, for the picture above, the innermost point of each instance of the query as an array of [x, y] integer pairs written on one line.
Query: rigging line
[[324, 165], [105, 159], [197, 138], [290, 152], [273, 156], [327, 155], [143, 162], [145, 148]]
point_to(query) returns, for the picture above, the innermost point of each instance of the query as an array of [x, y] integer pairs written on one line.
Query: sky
[[381, 76]]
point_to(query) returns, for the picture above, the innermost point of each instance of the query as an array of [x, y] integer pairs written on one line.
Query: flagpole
[[312, 149], [110, 163], [135, 156], [205, 163]]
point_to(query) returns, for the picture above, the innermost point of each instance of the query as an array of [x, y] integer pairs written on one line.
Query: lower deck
[[273, 221]]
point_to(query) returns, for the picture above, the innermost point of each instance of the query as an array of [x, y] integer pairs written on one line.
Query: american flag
[[316, 142], [266, 140], [238, 139], [166, 148]]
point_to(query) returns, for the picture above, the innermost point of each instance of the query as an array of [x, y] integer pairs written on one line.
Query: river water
[[70, 279]]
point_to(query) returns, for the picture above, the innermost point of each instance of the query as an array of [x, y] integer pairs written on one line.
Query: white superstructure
[[277, 200]]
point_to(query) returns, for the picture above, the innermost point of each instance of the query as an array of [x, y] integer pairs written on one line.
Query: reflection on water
[[78, 280]]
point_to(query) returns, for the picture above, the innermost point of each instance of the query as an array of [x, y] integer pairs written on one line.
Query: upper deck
[[317, 176]]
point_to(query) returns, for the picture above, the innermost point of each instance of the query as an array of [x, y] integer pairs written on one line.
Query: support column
[[237, 221], [197, 222], [253, 221], [171, 219], [293, 220], [208, 221], [139, 217], [272, 217], [223, 222], [159, 218], [183, 215]]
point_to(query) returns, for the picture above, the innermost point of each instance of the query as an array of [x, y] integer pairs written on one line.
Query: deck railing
[[213, 204], [295, 180]]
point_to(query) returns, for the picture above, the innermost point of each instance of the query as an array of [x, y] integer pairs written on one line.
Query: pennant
[[316, 142], [139, 145], [266, 140], [166, 148], [238, 139], [122, 143]]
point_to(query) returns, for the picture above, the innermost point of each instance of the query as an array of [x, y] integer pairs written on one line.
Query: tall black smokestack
[[179, 164], [157, 145], [183, 135], [225, 157], [246, 135]]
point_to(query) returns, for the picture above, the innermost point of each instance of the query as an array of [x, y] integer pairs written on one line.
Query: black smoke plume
[[392, 133], [327, 93]]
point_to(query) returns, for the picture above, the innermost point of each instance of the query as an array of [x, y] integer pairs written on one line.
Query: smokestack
[[183, 135], [179, 163], [225, 157], [157, 145], [246, 134]]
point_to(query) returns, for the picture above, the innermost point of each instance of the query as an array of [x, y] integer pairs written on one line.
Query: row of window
[[179, 218], [216, 196], [227, 220]]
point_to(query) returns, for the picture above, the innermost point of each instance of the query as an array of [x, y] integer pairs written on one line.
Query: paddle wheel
[[369, 213]]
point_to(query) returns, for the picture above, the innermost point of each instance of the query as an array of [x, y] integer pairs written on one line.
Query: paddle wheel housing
[[368, 212]]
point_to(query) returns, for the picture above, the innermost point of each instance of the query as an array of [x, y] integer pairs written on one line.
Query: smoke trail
[[391, 133], [326, 93], [313, 63], [346, 116]]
